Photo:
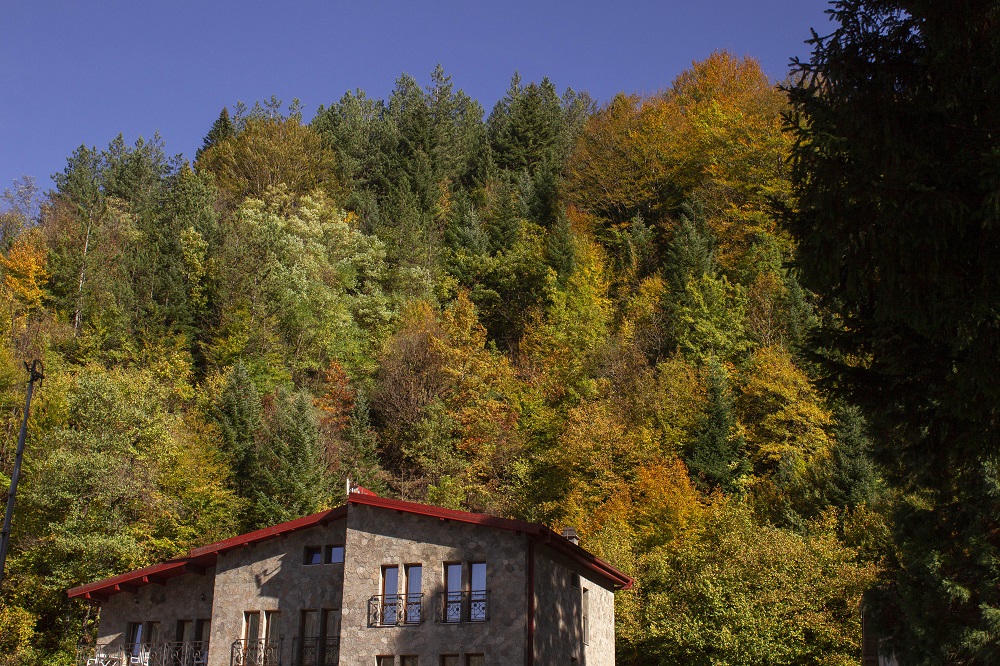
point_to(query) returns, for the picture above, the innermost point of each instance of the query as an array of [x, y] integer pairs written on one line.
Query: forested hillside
[[557, 310]]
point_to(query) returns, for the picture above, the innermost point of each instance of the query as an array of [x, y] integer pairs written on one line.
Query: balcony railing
[[389, 610], [186, 653], [255, 653], [465, 606], [316, 652]]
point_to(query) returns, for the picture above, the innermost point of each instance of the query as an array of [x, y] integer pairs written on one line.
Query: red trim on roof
[[109, 586], [272, 532], [199, 558], [205, 556], [540, 532]]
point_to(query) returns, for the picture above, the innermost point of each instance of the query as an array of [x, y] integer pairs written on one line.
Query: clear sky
[[75, 72]]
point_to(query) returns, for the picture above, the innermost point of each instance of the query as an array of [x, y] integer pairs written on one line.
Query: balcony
[[316, 652], [189, 653], [390, 610], [259, 652], [466, 606]]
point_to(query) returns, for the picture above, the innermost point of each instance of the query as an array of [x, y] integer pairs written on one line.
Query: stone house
[[375, 582]]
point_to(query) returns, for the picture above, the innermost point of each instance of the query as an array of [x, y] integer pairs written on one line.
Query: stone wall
[[377, 537], [559, 635], [271, 576], [187, 597]]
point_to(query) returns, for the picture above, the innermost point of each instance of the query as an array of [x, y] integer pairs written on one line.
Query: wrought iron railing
[[258, 652], [316, 651], [465, 606], [389, 610], [186, 653]]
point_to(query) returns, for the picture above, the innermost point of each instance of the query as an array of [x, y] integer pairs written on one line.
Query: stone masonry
[[375, 539], [560, 585], [266, 574], [271, 577]]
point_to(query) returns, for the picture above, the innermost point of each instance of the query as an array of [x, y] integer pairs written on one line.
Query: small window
[[412, 602], [134, 633], [475, 660], [251, 626], [272, 621], [202, 630], [390, 596], [408, 660], [334, 555], [313, 555], [385, 660], [449, 660]]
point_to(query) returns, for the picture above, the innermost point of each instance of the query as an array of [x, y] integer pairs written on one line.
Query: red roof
[[205, 556], [543, 534]]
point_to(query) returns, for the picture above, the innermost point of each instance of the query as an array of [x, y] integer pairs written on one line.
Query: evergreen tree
[[237, 412], [853, 479], [895, 172], [292, 476], [222, 129], [359, 459], [718, 455]]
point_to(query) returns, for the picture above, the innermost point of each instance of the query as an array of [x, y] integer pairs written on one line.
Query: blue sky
[[79, 72]]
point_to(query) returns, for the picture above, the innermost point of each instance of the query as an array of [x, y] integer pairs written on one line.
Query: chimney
[[570, 535]]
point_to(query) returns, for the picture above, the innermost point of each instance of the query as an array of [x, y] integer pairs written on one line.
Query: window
[[323, 554], [318, 632], [385, 660], [134, 633], [453, 592], [449, 660], [475, 660], [272, 620], [152, 632], [414, 573], [585, 615], [408, 660], [331, 623], [390, 595], [251, 626], [185, 631], [574, 580], [309, 624], [465, 596], [477, 592]]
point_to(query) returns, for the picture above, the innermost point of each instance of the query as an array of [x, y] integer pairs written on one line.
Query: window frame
[[329, 551], [310, 553]]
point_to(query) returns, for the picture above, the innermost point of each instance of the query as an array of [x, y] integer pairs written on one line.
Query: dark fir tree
[[222, 128], [238, 413], [292, 478], [896, 172], [718, 456], [853, 477]]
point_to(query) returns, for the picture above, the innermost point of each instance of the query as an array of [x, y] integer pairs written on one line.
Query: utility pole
[[34, 374]]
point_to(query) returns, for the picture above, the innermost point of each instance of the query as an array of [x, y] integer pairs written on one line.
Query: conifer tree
[[895, 171], [222, 129], [718, 455]]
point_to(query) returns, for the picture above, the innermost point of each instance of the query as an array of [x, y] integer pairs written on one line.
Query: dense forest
[[575, 313]]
